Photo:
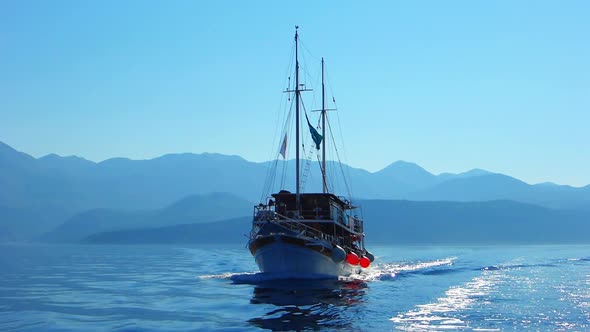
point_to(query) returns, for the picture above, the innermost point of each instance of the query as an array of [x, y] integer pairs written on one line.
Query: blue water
[[183, 288]]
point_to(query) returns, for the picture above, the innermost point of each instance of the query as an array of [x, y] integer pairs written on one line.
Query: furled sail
[[283, 151]]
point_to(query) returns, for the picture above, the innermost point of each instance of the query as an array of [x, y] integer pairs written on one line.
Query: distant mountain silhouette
[[226, 231], [479, 188], [33, 198], [191, 209], [401, 222], [19, 224], [492, 222], [40, 194], [470, 173], [95, 221], [412, 176], [498, 186]]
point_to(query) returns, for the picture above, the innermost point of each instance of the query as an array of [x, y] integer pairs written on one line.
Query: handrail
[[290, 224], [294, 225]]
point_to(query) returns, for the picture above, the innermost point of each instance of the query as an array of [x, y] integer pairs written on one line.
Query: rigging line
[[330, 173], [303, 138], [271, 181], [273, 167], [348, 189], [338, 122], [302, 183], [283, 100], [271, 170], [307, 76], [303, 106], [343, 148], [306, 170], [318, 126], [287, 74], [286, 132], [276, 151], [307, 50], [307, 167], [307, 154], [303, 79], [347, 175], [341, 187], [330, 87], [282, 178], [333, 101], [314, 95], [286, 170], [336, 185], [323, 172]]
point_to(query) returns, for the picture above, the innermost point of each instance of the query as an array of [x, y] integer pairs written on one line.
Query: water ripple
[[388, 271], [161, 288], [442, 314]]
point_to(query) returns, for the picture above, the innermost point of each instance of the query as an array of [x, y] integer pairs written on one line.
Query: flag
[[317, 138], [283, 150]]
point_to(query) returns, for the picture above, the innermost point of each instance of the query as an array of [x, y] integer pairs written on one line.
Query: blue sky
[[454, 85]]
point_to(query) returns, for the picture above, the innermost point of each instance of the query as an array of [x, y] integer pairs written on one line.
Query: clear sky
[[450, 85]]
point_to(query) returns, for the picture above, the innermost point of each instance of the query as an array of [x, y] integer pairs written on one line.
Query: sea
[[217, 288]]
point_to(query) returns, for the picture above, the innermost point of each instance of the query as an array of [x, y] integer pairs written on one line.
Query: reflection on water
[[307, 304]]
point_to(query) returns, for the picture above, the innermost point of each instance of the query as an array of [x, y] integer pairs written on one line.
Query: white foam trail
[[441, 314], [378, 272], [388, 271], [226, 275]]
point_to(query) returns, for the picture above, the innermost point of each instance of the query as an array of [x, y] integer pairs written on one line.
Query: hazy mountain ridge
[[192, 209], [401, 222], [445, 222], [494, 186], [226, 231], [50, 189]]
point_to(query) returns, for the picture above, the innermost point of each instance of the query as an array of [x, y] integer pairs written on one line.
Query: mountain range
[[193, 209], [48, 195], [397, 222]]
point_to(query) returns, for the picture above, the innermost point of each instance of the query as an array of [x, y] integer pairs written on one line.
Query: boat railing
[[263, 214], [302, 228], [266, 215], [357, 224]]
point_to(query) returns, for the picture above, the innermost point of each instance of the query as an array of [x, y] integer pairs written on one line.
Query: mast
[[324, 184], [297, 201]]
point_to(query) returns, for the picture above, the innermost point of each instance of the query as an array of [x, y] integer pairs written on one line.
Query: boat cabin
[[312, 206]]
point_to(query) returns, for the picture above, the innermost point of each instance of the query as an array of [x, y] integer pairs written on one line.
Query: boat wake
[[456, 309], [442, 313], [583, 259], [388, 271], [228, 275], [379, 272]]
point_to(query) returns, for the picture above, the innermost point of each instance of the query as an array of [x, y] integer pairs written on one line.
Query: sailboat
[[308, 235]]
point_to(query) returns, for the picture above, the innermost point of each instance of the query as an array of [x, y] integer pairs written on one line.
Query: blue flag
[[317, 138]]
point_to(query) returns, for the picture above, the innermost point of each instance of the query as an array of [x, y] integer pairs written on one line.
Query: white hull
[[296, 261]]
